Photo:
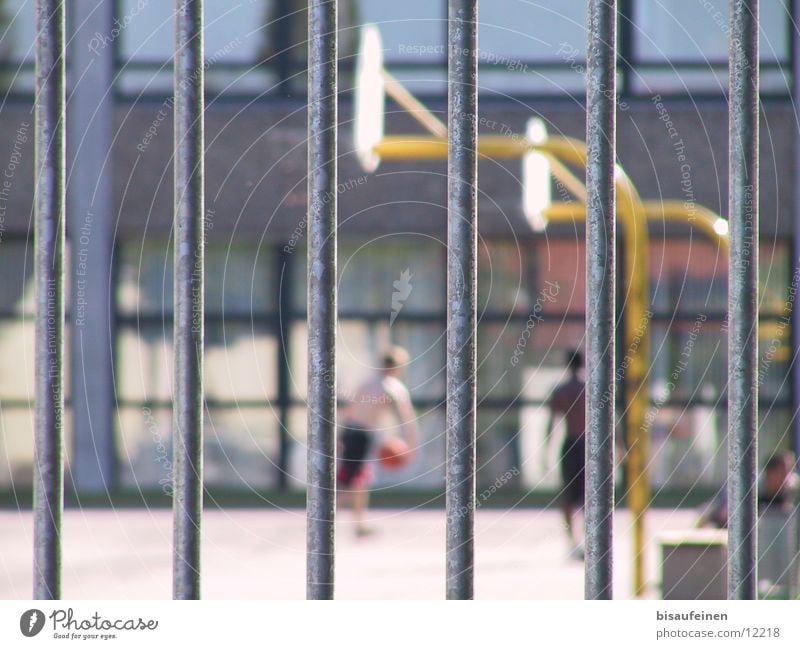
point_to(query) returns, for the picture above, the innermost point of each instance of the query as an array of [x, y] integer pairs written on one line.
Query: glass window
[[705, 81], [18, 322], [240, 362], [689, 360], [561, 268], [506, 277], [774, 274], [499, 350], [17, 290], [17, 32], [775, 353], [775, 432], [144, 447], [16, 446], [497, 447], [392, 277], [688, 276], [239, 279], [240, 448], [532, 31], [234, 32], [359, 344], [516, 35], [524, 359], [383, 275], [298, 449], [679, 31], [687, 445], [143, 364], [413, 31], [17, 338], [530, 79], [145, 279]]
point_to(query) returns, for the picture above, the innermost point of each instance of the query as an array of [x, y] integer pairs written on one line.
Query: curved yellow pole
[[631, 213], [636, 359], [709, 223]]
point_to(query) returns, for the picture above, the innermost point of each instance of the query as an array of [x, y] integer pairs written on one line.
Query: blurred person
[[777, 528], [381, 394], [779, 483], [776, 492], [569, 400]]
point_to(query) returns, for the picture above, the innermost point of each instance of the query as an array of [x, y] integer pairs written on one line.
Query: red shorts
[[352, 476]]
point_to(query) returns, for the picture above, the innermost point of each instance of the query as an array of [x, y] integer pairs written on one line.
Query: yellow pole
[[702, 218], [413, 106], [635, 303], [635, 363], [424, 147]]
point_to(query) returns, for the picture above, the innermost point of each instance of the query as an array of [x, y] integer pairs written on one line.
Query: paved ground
[[248, 553]]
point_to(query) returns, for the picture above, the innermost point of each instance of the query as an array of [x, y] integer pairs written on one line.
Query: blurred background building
[[672, 139]]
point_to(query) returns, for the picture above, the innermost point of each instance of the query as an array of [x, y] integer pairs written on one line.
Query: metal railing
[[462, 280]]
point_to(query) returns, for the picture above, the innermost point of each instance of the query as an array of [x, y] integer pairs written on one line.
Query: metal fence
[[462, 284]]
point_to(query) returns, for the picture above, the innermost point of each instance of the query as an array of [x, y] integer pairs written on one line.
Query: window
[[529, 47], [526, 47], [242, 421], [683, 46], [676, 31], [17, 37], [237, 40], [17, 378]]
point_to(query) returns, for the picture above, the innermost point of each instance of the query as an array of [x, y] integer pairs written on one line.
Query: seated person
[[779, 484]]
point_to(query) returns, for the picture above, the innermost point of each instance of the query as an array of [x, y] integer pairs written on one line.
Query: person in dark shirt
[[569, 399]]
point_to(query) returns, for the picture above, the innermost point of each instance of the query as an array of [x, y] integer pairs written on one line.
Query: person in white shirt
[[362, 416]]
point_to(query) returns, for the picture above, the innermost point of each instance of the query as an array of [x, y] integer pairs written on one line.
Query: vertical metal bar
[[322, 209], [600, 297], [795, 366], [48, 469], [188, 299], [90, 127], [462, 222], [743, 299]]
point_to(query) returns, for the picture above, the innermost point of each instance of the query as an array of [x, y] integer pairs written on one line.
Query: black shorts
[[573, 470], [354, 470]]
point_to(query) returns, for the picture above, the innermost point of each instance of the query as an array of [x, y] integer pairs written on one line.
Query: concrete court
[[259, 554]]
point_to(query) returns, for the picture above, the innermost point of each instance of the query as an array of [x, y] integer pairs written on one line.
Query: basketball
[[393, 453]]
